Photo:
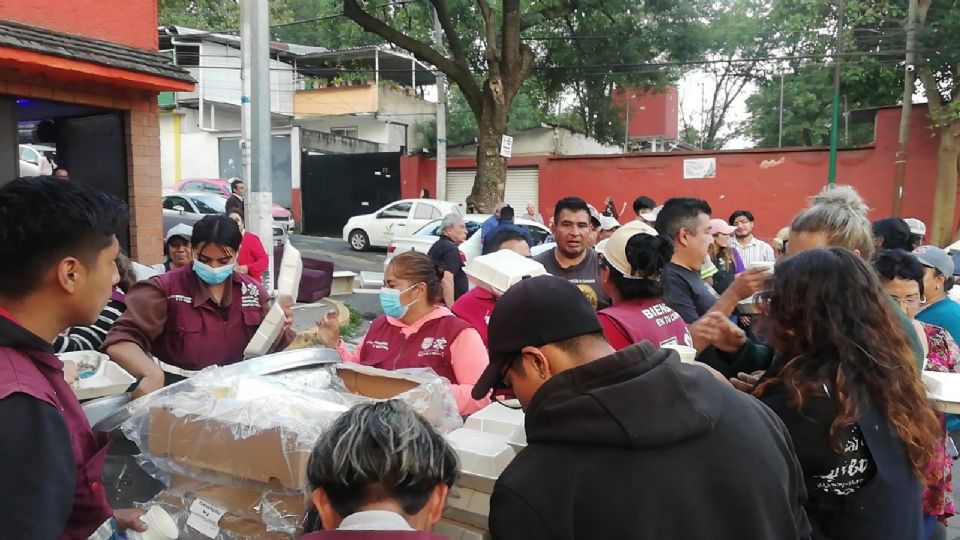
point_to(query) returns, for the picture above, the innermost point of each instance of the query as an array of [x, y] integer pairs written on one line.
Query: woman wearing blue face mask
[[192, 317], [416, 330]]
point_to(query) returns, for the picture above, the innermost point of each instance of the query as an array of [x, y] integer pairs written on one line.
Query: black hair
[[506, 214], [575, 204], [217, 229], [894, 233], [420, 268], [44, 219], [679, 213], [897, 263], [648, 255], [740, 213], [643, 203], [501, 238], [234, 183]]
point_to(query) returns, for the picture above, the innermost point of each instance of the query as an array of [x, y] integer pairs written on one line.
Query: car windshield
[[209, 204]]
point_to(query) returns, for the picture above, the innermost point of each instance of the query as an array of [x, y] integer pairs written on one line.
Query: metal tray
[[263, 365]]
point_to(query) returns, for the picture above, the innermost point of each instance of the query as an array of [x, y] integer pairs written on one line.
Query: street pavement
[[343, 258]]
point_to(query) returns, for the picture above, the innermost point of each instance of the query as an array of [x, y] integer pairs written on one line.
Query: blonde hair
[[839, 213]]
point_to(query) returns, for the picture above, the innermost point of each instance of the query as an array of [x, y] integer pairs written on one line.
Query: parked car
[[395, 220], [36, 160], [189, 208], [424, 238], [221, 186]]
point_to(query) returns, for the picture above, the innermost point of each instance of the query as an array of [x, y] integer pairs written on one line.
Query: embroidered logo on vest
[[249, 295], [181, 298], [432, 347]]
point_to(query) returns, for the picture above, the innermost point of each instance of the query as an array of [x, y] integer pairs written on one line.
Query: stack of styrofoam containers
[[288, 283], [485, 449]]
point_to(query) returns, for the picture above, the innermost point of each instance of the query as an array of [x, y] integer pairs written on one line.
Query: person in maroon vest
[[381, 472], [58, 245], [417, 331], [631, 262], [476, 306], [192, 317]]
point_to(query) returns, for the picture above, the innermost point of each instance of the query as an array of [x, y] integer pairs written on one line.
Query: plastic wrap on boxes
[[279, 511], [227, 426], [207, 521], [496, 418], [483, 456]]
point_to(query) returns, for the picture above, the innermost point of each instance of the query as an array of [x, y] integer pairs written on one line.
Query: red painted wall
[[653, 113], [129, 22], [773, 183]]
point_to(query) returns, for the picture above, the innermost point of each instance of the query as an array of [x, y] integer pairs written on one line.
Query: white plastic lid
[[500, 270]]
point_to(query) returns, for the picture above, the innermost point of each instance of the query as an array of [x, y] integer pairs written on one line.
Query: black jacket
[[886, 506], [638, 446]]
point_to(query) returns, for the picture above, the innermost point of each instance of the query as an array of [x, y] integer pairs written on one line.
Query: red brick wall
[[143, 146], [773, 183], [128, 22]]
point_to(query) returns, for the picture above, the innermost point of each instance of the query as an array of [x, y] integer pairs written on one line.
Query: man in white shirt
[[751, 249]]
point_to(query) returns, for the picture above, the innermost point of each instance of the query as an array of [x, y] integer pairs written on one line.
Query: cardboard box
[[268, 456], [230, 526], [245, 502]]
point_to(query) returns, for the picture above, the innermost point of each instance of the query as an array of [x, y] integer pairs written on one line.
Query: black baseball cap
[[533, 313]]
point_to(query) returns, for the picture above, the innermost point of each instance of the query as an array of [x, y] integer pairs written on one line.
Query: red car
[[221, 186]]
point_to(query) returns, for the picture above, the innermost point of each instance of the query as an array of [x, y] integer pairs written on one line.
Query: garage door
[[523, 186]]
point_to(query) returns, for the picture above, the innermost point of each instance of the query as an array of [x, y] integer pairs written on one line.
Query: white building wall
[[219, 78], [368, 128]]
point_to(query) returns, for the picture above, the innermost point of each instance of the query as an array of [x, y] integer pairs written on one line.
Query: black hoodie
[[637, 445]]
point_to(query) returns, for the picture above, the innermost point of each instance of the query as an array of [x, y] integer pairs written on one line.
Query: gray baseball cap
[[182, 230], [936, 258]]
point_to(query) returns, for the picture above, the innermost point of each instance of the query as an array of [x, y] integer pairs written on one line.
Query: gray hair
[[381, 451], [840, 214], [449, 221]]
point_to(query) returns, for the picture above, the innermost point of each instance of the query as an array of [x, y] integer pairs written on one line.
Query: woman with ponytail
[[631, 262], [847, 389], [416, 330]]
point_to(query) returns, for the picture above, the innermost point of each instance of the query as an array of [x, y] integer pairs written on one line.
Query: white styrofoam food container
[[454, 530], [267, 333], [108, 378], [942, 386], [291, 270], [495, 418], [483, 456], [518, 439], [468, 506], [500, 270]]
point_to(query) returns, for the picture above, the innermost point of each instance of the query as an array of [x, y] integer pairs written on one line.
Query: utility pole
[[780, 132], [255, 70], [900, 172], [441, 187], [835, 125], [626, 124]]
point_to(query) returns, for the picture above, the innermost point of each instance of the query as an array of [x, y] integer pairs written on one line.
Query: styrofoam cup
[[762, 265], [160, 526], [687, 354]]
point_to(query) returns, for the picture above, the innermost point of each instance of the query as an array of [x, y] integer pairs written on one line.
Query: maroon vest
[[372, 535], [195, 336], [385, 347], [40, 375], [649, 319]]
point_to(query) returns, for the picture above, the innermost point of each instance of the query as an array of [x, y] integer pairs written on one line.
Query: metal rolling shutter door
[[523, 185]]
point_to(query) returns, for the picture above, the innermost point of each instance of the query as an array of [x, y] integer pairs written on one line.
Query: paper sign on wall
[[699, 168], [506, 146]]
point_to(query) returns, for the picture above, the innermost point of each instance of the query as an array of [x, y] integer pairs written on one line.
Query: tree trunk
[[945, 192], [488, 187]]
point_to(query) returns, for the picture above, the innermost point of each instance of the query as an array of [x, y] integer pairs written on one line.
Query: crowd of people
[[802, 417]]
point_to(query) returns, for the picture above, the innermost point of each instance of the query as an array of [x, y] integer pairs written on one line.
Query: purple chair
[[316, 280]]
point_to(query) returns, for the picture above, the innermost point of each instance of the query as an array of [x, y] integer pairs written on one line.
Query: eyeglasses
[[503, 387], [909, 302]]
